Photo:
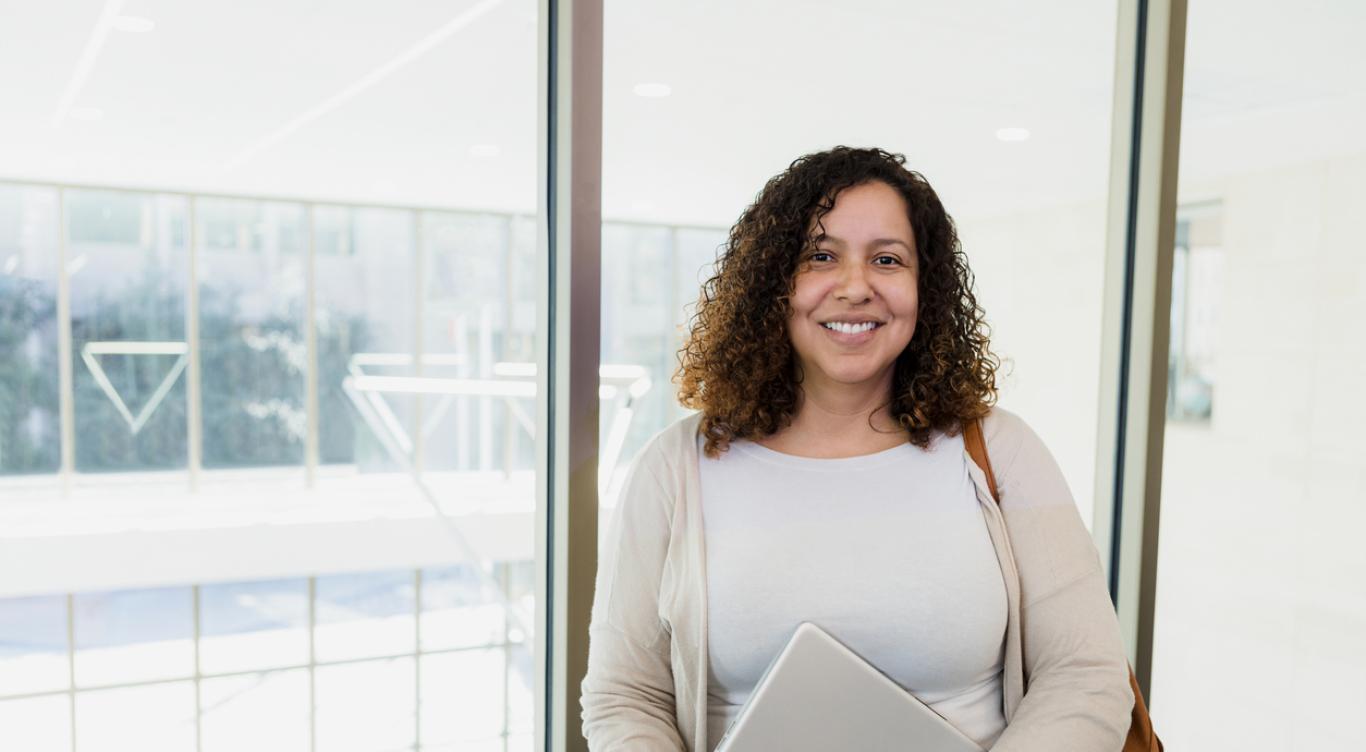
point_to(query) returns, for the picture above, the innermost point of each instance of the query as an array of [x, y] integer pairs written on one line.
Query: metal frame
[[1149, 66], [569, 325]]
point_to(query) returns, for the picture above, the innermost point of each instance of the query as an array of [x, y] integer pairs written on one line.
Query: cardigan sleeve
[[1077, 693], [628, 690]]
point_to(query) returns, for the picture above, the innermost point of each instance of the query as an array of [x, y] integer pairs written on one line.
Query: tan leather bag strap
[[977, 450]]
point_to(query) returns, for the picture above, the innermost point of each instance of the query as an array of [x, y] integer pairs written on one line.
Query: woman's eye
[[821, 256], [887, 260]]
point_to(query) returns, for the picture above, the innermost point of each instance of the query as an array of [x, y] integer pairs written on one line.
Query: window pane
[[33, 649], [275, 177], [39, 724], [253, 354], [127, 261], [366, 706], [253, 625], [265, 712], [460, 608], [463, 698], [156, 718], [30, 436], [133, 635], [1260, 571], [365, 317], [467, 309], [362, 615]]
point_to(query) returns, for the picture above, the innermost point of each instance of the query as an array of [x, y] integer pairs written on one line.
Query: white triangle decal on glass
[[91, 351]]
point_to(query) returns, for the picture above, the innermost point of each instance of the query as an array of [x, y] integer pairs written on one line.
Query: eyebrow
[[824, 238]]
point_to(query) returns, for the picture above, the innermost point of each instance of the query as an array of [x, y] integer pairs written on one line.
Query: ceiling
[[435, 103]]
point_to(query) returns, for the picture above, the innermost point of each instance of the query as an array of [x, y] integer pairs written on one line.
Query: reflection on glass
[[154, 718], [127, 262], [466, 309], [30, 435], [365, 324], [253, 625], [38, 724], [463, 697], [33, 649], [363, 615], [133, 635], [521, 689], [253, 354], [1197, 279], [650, 280], [257, 712], [366, 706], [460, 608]]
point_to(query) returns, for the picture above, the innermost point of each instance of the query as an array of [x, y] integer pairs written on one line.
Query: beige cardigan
[[646, 686]]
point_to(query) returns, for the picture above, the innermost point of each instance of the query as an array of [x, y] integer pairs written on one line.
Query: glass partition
[[1259, 577]]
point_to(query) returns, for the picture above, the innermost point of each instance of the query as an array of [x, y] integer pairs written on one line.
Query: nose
[[853, 285]]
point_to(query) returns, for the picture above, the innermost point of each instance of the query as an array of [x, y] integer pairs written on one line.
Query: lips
[[851, 334]]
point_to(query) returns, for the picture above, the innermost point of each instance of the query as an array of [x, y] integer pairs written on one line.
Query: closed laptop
[[818, 694]]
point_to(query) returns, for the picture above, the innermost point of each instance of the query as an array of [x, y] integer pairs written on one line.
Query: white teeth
[[844, 328]]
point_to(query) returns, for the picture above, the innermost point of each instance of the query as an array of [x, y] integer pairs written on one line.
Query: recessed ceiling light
[[1012, 134], [652, 90], [485, 151], [134, 24], [89, 114]]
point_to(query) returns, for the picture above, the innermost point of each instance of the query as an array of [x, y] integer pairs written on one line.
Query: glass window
[[365, 224], [252, 278], [253, 625], [464, 698], [133, 635], [256, 712], [363, 615], [37, 724], [1259, 580], [385, 690], [461, 608], [366, 309], [159, 717], [128, 267], [33, 645], [30, 431]]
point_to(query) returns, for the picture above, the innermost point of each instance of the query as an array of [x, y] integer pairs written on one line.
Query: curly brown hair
[[738, 366]]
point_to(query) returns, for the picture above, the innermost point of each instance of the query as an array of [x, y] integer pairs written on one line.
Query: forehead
[[867, 209]]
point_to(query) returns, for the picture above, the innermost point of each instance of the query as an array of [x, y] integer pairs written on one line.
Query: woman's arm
[[1077, 694], [628, 692]]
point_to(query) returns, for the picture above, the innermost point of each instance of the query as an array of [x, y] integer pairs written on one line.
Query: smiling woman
[[844, 237], [837, 358]]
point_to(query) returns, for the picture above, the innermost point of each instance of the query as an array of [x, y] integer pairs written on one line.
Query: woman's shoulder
[[668, 452], [1009, 438]]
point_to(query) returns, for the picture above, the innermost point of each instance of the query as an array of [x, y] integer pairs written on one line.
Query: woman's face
[[855, 299]]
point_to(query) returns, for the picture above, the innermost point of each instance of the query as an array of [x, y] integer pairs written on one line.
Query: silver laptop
[[820, 695]]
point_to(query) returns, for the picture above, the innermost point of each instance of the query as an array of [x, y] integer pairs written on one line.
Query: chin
[[852, 376]]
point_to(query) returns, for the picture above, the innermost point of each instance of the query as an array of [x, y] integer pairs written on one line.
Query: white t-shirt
[[888, 552]]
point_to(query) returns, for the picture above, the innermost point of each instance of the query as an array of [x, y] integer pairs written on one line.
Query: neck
[[845, 411]]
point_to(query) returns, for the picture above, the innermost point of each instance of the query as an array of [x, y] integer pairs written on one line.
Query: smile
[[846, 328]]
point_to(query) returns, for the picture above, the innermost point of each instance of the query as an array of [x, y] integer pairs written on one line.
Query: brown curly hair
[[738, 366]]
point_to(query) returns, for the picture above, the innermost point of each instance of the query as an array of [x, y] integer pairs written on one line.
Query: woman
[[834, 360]]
